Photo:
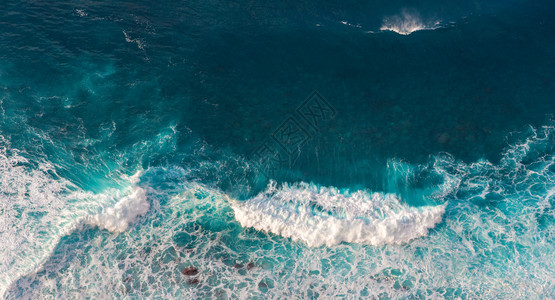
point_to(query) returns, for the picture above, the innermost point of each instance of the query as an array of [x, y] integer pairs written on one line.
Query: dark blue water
[[283, 150]]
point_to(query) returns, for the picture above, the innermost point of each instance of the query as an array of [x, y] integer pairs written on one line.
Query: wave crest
[[407, 23], [328, 216], [126, 211]]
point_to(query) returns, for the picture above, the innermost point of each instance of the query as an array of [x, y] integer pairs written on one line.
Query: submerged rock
[[190, 271], [238, 266]]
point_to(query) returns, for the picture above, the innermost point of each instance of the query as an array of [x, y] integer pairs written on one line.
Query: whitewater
[[298, 225]]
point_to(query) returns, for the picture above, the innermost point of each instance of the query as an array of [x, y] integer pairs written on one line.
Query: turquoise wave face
[[210, 150]]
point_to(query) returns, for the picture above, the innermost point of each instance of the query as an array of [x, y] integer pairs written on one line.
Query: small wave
[[327, 216], [81, 12], [407, 23]]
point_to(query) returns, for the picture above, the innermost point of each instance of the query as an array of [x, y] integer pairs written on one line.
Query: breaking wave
[[117, 218], [328, 216], [407, 23]]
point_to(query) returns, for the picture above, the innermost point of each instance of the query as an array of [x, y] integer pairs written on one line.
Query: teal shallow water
[[137, 140]]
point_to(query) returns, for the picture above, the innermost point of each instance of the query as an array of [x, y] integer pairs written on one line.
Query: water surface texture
[[254, 149]]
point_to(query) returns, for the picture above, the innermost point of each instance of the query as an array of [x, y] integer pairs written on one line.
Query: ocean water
[[283, 149]]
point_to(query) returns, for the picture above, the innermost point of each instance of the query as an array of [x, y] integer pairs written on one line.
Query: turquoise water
[[301, 150]]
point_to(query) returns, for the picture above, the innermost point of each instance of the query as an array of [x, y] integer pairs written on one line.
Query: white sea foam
[[33, 202], [327, 216], [39, 207], [81, 12], [124, 212], [130, 206], [350, 24], [137, 41], [408, 22]]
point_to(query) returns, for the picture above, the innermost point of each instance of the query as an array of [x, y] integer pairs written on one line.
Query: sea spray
[[408, 22]]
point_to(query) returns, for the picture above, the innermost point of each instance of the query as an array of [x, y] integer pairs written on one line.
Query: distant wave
[[327, 216], [407, 23]]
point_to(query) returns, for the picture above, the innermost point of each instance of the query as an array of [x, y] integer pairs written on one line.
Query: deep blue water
[[285, 150]]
